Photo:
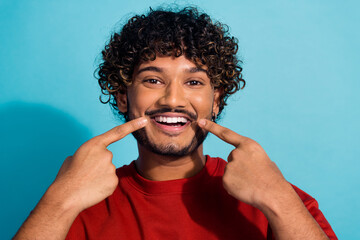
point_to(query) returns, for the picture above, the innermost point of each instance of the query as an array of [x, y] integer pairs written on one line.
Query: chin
[[170, 149]]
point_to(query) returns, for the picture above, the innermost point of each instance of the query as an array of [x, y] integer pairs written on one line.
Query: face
[[173, 93]]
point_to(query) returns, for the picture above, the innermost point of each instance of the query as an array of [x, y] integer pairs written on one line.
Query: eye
[[194, 83], [152, 81]]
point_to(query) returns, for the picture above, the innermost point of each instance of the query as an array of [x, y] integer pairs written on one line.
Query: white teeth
[[170, 119]]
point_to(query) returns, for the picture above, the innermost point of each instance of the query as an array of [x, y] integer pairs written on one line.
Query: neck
[[157, 167]]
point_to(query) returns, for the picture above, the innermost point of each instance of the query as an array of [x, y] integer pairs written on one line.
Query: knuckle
[[226, 181], [248, 142], [68, 160], [108, 155], [229, 169], [252, 145], [210, 125], [114, 181], [225, 133], [226, 170], [91, 142], [120, 131], [86, 144], [134, 124], [274, 166], [234, 154], [112, 168]]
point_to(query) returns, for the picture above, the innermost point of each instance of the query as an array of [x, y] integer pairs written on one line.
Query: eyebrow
[[196, 69], [159, 70], [150, 68]]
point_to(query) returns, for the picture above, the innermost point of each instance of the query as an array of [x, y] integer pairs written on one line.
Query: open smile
[[171, 123]]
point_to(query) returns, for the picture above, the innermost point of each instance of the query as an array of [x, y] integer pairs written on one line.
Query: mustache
[[192, 116]]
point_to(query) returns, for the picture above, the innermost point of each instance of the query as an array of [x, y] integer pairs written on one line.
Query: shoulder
[[126, 170], [307, 199], [215, 161], [215, 165]]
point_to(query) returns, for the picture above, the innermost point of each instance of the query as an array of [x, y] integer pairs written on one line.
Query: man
[[169, 74]]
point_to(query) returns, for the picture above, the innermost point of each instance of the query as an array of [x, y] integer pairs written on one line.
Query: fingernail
[[143, 120], [202, 122]]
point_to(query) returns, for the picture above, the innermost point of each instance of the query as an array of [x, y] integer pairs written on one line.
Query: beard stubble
[[170, 149]]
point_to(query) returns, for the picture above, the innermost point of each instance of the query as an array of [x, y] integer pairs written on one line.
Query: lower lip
[[171, 129]]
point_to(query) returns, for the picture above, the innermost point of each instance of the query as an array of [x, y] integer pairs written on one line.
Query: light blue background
[[301, 102]]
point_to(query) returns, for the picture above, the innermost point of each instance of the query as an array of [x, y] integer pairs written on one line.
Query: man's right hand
[[89, 176], [84, 179]]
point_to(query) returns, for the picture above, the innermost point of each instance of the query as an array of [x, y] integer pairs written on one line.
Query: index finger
[[221, 132], [121, 131]]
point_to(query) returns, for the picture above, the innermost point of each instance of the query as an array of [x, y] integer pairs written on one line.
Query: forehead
[[170, 64]]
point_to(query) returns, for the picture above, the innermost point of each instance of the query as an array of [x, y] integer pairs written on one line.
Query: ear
[[121, 100], [216, 105]]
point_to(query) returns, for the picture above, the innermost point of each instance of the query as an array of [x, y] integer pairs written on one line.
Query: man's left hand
[[250, 176]]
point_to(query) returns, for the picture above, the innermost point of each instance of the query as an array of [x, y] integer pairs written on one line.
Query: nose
[[173, 96]]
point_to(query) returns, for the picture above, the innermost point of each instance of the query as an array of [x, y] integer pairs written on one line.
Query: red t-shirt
[[192, 208]]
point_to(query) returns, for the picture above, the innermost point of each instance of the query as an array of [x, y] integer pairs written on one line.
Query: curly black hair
[[170, 33]]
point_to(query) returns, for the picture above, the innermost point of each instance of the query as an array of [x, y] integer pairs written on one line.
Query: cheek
[[202, 103], [139, 102]]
